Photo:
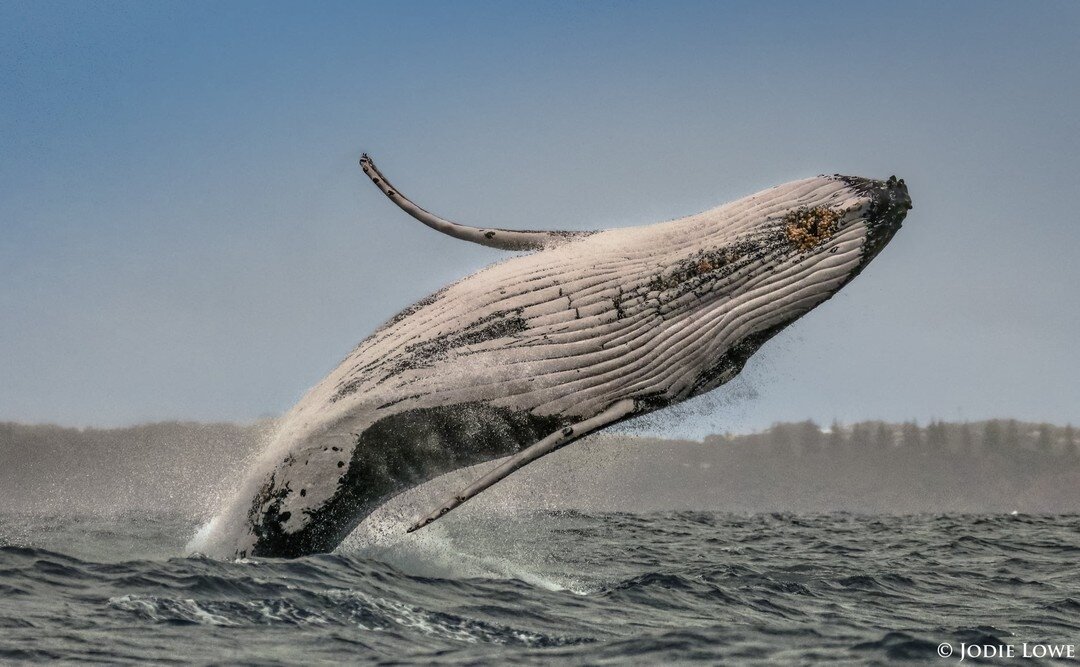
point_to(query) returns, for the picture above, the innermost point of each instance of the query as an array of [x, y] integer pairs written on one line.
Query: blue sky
[[184, 232]]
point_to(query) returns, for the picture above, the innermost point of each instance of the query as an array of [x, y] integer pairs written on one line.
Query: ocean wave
[[537, 587]]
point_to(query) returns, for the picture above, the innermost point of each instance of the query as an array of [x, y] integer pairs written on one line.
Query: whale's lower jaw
[[396, 453]]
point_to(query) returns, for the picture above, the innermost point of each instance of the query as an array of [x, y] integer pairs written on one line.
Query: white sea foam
[[198, 542]]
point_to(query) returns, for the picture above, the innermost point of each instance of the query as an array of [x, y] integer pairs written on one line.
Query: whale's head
[[772, 257]]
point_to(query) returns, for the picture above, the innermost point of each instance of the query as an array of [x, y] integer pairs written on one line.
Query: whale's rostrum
[[538, 350]]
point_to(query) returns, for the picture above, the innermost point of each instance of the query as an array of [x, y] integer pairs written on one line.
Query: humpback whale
[[582, 331]]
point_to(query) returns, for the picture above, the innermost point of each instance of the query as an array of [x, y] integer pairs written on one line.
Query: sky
[[185, 233]]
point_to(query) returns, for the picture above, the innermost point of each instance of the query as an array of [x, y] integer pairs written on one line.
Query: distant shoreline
[[995, 466]]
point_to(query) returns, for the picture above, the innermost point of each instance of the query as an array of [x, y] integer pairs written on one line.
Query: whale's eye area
[[807, 228]]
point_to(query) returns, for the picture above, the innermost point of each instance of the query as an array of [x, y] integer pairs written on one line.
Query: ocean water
[[542, 587]]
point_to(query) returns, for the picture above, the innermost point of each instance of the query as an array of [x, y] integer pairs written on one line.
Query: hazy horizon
[[186, 233], [870, 468]]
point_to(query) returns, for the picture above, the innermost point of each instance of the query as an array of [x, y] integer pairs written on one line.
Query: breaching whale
[[531, 353]]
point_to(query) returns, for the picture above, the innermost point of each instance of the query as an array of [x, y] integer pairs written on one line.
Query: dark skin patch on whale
[[697, 272], [265, 514], [889, 204], [732, 362], [394, 454], [500, 324]]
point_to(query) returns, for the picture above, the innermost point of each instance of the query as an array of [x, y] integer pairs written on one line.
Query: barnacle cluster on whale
[[808, 228]]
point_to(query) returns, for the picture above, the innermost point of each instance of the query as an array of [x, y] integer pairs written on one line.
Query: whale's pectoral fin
[[616, 412], [503, 239]]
